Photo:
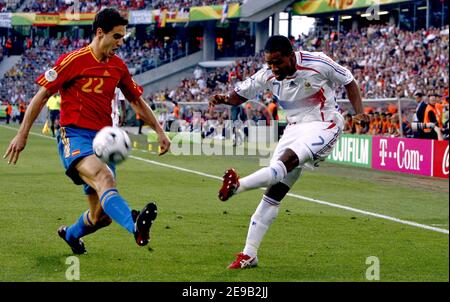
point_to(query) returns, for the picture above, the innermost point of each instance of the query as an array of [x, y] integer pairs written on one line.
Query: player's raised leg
[[98, 175], [264, 177], [265, 214], [89, 222]]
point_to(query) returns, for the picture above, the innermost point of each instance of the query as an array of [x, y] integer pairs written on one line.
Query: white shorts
[[311, 142]]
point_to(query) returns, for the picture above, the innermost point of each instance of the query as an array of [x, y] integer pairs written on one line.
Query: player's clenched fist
[[361, 118], [218, 99]]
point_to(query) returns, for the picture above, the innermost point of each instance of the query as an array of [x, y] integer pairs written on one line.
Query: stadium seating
[[387, 63], [10, 5], [88, 6], [140, 56]]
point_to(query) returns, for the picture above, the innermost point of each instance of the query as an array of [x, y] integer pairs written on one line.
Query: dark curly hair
[[279, 44], [107, 19]]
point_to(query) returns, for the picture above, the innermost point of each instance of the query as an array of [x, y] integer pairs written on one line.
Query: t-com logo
[[445, 162], [406, 159]]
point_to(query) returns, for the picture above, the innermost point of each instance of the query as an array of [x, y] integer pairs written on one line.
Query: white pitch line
[[411, 223], [175, 167], [34, 133], [406, 222]]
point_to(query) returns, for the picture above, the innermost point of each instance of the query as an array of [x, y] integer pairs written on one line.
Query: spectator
[[419, 115], [431, 117], [8, 47]]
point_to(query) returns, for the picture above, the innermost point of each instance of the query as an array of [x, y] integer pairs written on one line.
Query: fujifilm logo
[[351, 149], [445, 162], [406, 159]]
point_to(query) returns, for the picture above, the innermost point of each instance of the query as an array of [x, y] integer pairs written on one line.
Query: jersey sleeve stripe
[[325, 59], [329, 62], [82, 50], [306, 68], [69, 59], [42, 81], [63, 65], [320, 61]]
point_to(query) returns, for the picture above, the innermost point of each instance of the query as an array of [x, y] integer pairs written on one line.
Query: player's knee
[[279, 171], [292, 177]]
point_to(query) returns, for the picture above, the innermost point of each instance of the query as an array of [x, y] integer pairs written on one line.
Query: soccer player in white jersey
[[302, 82]]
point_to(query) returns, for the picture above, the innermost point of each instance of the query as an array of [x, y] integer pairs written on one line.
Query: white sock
[[263, 177], [260, 222]]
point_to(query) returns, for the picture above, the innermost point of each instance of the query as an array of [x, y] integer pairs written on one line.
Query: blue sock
[[117, 208], [81, 228]]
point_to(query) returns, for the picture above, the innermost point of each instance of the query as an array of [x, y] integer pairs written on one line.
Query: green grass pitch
[[196, 236]]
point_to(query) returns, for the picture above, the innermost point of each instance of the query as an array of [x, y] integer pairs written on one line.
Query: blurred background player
[[54, 107], [119, 111], [89, 76], [8, 112], [301, 83]]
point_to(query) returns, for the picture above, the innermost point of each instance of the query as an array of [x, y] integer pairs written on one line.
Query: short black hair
[[279, 44], [107, 19]]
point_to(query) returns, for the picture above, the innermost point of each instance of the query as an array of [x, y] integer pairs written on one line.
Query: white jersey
[[115, 113], [308, 94]]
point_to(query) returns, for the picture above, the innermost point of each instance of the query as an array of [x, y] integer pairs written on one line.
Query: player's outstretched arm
[[354, 95], [228, 99], [147, 115], [20, 140]]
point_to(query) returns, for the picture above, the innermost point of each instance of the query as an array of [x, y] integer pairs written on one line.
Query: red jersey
[[87, 87]]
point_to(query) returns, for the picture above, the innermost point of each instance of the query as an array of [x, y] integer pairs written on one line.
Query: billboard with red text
[[405, 155]]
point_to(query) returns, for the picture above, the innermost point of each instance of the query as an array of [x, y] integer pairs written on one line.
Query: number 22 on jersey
[[93, 85]]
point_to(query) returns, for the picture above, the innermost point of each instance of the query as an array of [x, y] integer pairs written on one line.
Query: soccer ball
[[112, 145]]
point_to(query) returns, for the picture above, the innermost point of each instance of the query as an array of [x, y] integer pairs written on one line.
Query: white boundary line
[[411, 223], [406, 222]]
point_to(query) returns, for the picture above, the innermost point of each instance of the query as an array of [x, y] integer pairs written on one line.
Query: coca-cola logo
[[445, 162]]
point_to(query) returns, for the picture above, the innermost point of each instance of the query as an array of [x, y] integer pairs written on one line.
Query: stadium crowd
[[92, 6], [387, 63], [41, 53], [10, 5]]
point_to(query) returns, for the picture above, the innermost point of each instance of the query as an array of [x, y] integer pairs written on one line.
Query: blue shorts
[[74, 144]]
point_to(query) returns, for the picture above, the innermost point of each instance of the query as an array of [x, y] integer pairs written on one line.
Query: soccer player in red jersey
[[86, 79]]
